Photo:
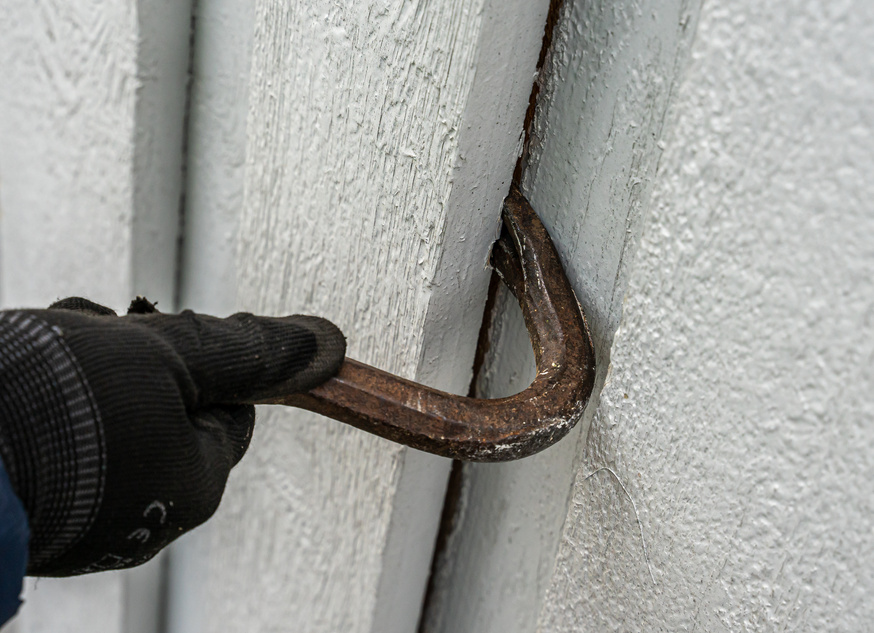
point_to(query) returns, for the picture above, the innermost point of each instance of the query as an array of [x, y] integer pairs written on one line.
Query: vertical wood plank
[[737, 420], [381, 138], [224, 31], [595, 148], [90, 179], [163, 46], [66, 202]]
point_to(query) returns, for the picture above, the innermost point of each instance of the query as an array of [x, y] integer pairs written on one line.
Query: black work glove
[[118, 433]]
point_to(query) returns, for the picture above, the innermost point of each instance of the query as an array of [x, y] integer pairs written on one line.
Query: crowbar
[[478, 429]]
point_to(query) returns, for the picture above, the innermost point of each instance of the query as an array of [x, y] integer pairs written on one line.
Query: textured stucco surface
[[739, 411]]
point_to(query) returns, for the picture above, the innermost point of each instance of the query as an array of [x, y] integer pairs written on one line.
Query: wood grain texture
[[90, 122], [737, 417], [67, 130], [595, 147], [381, 138]]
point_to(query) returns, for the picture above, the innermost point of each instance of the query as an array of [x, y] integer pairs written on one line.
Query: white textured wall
[[379, 142], [725, 482], [67, 126], [215, 165], [739, 412], [595, 148], [91, 113], [215, 171]]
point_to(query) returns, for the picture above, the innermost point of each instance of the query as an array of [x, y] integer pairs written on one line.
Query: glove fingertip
[[246, 358], [329, 353]]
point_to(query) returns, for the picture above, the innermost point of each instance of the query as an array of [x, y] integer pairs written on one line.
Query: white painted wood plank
[[67, 126], [380, 140], [90, 173], [594, 152], [216, 154], [738, 412], [214, 198], [163, 44]]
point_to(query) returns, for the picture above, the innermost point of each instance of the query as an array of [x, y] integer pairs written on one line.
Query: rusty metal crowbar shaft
[[475, 429]]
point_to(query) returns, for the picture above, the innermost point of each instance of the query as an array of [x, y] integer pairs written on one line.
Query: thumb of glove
[[234, 359]]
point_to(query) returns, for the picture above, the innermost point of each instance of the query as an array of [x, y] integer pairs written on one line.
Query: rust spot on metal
[[476, 429]]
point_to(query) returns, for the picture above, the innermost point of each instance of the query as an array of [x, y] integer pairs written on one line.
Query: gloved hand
[[118, 433]]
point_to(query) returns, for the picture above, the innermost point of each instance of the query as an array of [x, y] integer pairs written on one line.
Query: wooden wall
[[705, 172], [347, 161], [379, 141], [596, 143], [91, 152], [722, 481]]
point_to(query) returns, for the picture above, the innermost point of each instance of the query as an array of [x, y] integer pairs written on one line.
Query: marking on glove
[[160, 507]]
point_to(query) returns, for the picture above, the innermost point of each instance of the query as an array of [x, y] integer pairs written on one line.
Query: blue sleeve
[[14, 535]]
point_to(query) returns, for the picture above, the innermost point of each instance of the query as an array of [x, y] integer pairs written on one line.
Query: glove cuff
[[51, 435]]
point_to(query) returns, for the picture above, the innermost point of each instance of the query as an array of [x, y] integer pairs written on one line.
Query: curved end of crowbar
[[476, 429]]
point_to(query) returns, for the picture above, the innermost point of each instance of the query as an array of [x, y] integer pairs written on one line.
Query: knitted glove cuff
[[51, 435]]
